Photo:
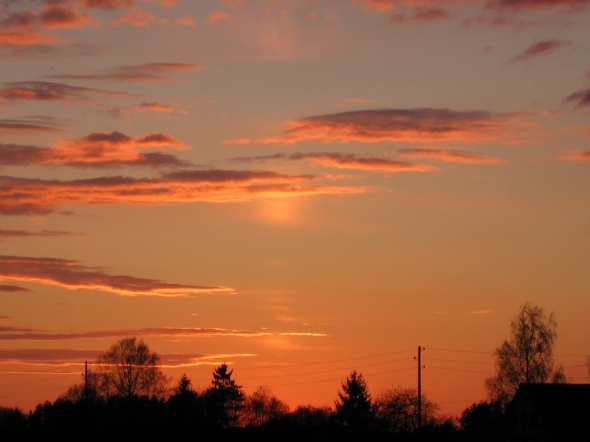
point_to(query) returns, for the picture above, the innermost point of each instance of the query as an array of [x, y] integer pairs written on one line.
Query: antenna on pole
[[419, 387]]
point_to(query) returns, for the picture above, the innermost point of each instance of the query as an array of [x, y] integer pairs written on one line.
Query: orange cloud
[[379, 5], [577, 156], [135, 17], [217, 16], [67, 357], [447, 155], [350, 161], [238, 141], [154, 107], [97, 150], [73, 275], [185, 20], [64, 16], [413, 125], [25, 38], [540, 48], [147, 72], [20, 196]]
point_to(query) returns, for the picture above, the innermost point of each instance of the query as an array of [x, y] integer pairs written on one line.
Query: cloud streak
[[12, 289], [67, 357], [48, 91], [413, 125], [172, 332], [146, 72], [447, 155], [74, 275], [21, 196], [544, 47], [581, 98], [25, 233], [348, 161]]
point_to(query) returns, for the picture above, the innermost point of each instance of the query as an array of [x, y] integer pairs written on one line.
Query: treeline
[[126, 400]]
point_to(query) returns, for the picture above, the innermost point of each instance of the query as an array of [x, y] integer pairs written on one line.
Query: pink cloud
[[447, 155], [413, 125], [64, 16], [422, 14], [217, 16], [540, 48], [108, 4], [74, 275], [20, 196]]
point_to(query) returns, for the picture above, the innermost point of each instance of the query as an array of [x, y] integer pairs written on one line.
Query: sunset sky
[[297, 188]]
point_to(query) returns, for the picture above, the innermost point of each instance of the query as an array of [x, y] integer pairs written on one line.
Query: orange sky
[[224, 180]]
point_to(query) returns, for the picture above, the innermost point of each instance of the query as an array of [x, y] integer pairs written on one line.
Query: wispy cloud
[[75, 275], [29, 125], [581, 98], [577, 156], [47, 91], [414, 125], [422, 14], [347, 161], [146, 72], [24, 233], [537, 4], [544, 47], [447, 155], [67, 357], [153, 106], [13, 288], [175, 332], [218, 16], [20, 196]]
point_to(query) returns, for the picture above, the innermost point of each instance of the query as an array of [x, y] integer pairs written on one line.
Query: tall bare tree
[[397, 409], [129, 368], [527, 356]]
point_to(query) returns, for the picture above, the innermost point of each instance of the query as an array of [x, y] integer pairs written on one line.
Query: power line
[[32, 382], [339, 379], [461, 351], [457, 369], [31, 392], [324, 371], [455, 360]]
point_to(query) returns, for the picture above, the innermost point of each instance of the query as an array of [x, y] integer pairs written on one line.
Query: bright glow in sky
[[294, 187]]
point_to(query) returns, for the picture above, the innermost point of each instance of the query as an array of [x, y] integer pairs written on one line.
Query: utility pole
[[419, 387], [85, 381]]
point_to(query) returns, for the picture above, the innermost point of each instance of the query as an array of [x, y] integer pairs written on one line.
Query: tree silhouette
[[354, 409], [262, 406], [397, 409], [527, 357], [224, 398], [129, 368]]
